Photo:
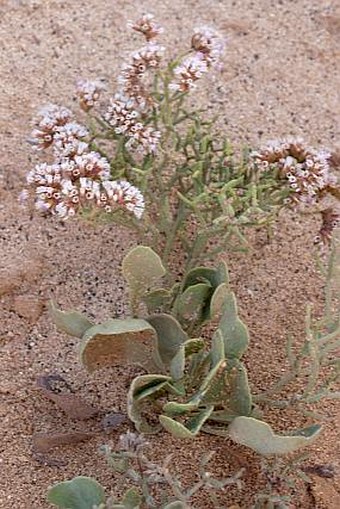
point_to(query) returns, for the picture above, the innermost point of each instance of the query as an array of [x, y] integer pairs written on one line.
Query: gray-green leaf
[[142, 268], [170, 336], [116, 342], [79, 493], [260, 437], [176, 505], [71, 322], [192, 426], [233, 330], [141, 388]]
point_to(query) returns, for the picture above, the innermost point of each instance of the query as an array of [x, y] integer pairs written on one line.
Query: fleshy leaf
[[175, 408], [79, 493], [200, 364], [227, 385], [213, 387], [146, 385], [71, 322], [176, 388], [200, 275], [222, 273], [177, 364], [208, 275], [204, 292], [170, 336], [192, 426], [217, 300], [234, 332], [217, 348], [156, 299], [141, 388], [240, 401], [259, 436], [193, 300], [175, 428], [117, 342], [142, 268]]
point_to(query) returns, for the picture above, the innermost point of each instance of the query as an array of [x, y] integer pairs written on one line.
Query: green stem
[[171, 236], [328, 289], [313, 353], [144, 482], [197, 250]]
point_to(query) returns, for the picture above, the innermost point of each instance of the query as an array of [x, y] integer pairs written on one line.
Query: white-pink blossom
[[305, 169], [133, 72], [88, 93], [146, 26], [67, 140], [65, 188], [207, 50], [125, 120], [188, 72], [209, 44], [47, 122]]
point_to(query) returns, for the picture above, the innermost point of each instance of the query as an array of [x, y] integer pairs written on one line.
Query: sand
[[281, 77]]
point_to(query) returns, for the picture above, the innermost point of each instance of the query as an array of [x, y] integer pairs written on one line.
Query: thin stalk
[[144, 483], [171, 236], [313, 352], [328, 289], [322, 395], [197, 250], [173, 482]]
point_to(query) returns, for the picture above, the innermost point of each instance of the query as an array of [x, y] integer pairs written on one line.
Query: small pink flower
[[207, 50], [146, 26], [188, 72], [49, 119], [125, 120], [88, 93]]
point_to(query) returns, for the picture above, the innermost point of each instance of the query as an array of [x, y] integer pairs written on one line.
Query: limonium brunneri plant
[[177, 181]]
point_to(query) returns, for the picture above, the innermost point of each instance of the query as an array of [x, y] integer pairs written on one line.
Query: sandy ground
[[281, 76]]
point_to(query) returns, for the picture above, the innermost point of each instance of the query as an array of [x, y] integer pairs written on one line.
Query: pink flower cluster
[[330, 222], [88, 93], [128, 106], [79, 178], [50, 120], [207, 50], [146, 26], [132, 74], [126, 120], [306, 170]]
